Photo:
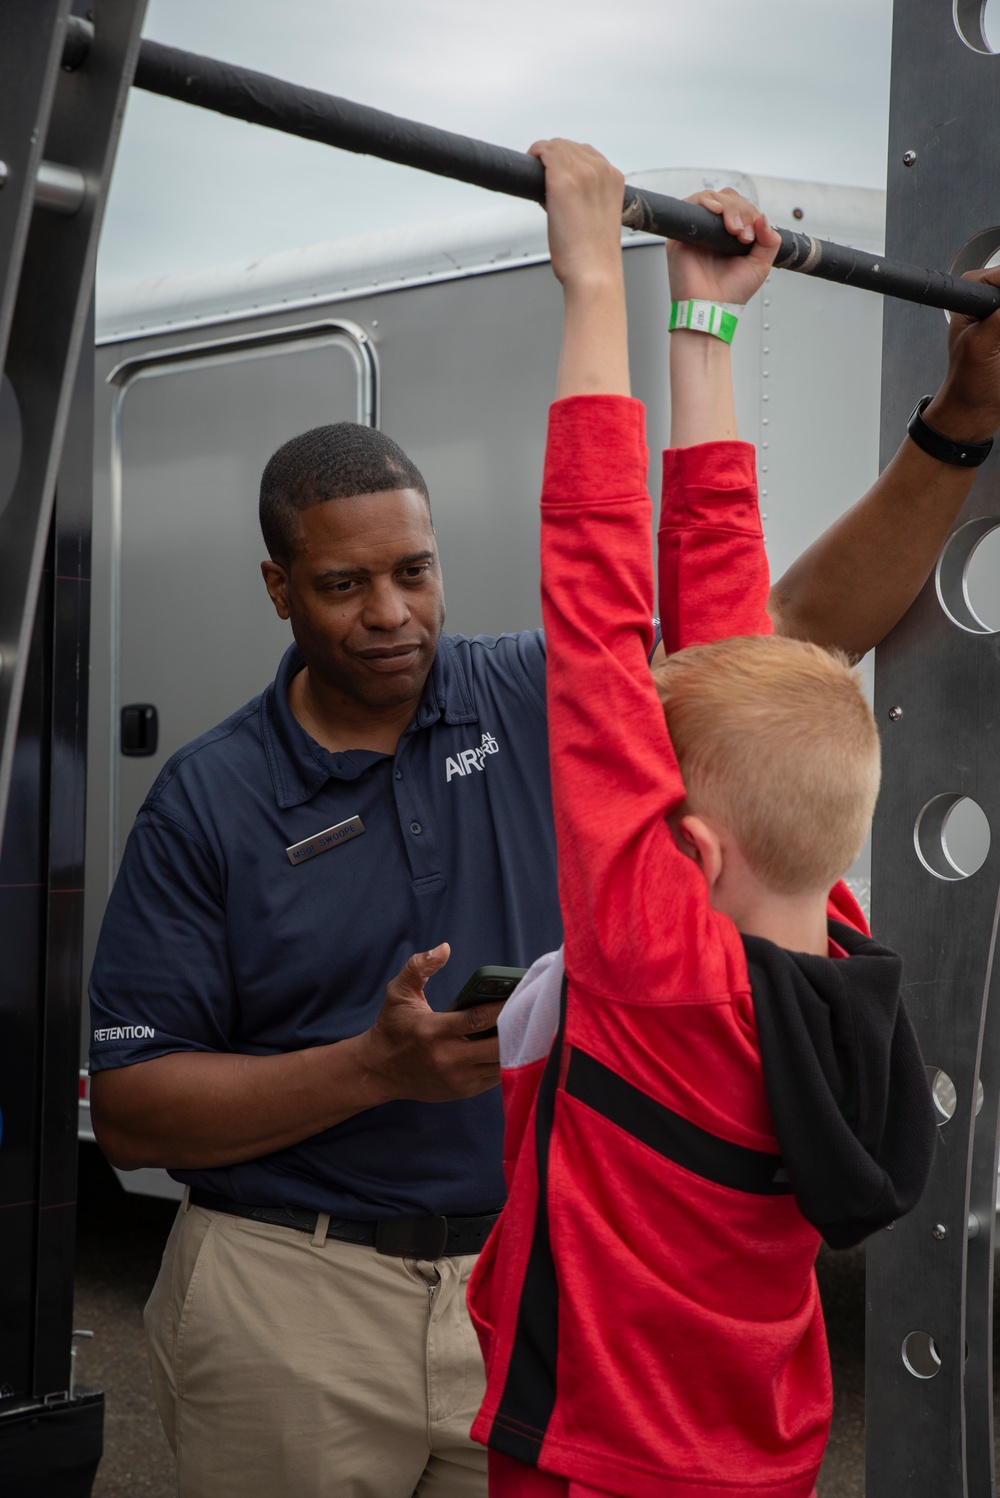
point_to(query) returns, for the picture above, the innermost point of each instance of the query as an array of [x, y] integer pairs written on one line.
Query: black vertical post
[[49, 1444], [68, 605], [930, 1280], [65, 70]]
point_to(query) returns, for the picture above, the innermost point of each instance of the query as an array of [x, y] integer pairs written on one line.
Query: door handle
[[140, 729]]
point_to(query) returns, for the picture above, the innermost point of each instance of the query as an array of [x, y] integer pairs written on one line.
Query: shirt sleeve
[[713, 573], [162, 979], [635, 909]]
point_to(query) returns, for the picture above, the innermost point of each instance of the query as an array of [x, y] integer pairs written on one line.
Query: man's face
[[364, 595]]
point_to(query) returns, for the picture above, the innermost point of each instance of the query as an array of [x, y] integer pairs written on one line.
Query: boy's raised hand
[[583, 199], [702, 275]]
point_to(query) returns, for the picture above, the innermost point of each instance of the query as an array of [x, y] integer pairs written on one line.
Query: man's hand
[[967, 406], [700, 274], [193, 1110], [416, 1054]]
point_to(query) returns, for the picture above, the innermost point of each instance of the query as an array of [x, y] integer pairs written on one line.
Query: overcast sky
[[777, 87]]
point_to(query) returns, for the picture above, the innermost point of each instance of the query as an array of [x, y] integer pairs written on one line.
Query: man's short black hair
[[332, 462]]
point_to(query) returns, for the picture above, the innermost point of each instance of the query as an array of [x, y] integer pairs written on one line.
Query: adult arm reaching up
[[855, 583]]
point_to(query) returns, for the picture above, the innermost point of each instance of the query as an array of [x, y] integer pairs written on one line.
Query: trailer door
[[194, 635]]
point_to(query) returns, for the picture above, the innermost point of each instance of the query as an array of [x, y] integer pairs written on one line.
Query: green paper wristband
[[704, 317]]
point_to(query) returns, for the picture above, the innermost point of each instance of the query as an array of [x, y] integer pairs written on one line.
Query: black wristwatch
[[962, 454]]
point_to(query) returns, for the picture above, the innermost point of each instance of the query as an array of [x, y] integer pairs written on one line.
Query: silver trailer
[[447, 337]]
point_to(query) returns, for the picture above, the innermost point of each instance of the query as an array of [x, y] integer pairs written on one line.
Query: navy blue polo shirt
[[214, 941]]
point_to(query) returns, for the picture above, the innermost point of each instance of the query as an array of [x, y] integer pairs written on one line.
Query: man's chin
[[395, 689]]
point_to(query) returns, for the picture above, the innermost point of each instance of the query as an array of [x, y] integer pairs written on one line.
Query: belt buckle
[[412, 1237]]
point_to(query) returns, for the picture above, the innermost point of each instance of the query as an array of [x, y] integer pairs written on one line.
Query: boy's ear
[[700, 842]]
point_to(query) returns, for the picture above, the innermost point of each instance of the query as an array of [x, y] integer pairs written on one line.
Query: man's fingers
[[470, 1021], [991, 275], [409, 982], [482, 1017]]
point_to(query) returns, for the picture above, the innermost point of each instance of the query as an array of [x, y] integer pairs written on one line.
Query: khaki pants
[[286, 1365]]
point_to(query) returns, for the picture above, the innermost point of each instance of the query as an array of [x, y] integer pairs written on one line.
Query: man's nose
[[386, 606]]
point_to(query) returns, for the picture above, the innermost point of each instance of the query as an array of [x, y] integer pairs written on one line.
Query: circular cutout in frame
[[952, 836], [981, 252], [945, 1095], [920, 1355], [967, 577], [978, 24]]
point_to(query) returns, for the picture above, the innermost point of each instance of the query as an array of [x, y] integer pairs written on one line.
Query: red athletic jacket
[[647, 1304]]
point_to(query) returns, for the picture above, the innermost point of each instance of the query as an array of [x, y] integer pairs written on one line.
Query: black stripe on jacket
[[671, 1135], [529, 1393]]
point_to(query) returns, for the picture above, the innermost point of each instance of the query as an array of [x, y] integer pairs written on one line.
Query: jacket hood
[[845, 1082]]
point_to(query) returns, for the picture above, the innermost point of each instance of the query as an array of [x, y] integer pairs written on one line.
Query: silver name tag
[[321, 841]]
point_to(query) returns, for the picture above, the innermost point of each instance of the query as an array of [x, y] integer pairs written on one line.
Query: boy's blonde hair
[[776, 742]]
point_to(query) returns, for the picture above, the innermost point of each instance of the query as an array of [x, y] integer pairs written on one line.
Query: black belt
[[401, 1237]]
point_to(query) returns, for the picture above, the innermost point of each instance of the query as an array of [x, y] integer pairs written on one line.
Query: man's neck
[[340, 724]]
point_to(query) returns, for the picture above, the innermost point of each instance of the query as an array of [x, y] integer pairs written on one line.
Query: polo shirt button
[[399, 774], [416, 828]]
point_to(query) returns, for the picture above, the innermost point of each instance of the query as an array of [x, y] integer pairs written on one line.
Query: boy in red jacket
[[716, 1070]]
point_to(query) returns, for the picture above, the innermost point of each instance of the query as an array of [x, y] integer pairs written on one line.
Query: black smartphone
[[488, 985]]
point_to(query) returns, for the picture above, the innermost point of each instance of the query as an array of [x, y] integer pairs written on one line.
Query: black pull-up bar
[[262, 100]]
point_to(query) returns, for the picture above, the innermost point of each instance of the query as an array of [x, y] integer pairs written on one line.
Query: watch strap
[[960, 454]]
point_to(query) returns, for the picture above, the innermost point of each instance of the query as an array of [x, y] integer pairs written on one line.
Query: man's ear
[[698, 840], [276, 582]]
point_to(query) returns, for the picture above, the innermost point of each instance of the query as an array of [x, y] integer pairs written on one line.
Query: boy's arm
[[613, 768], [713, 574], [584, 194]]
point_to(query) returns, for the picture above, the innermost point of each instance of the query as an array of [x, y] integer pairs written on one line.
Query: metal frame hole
[[967, 577], [978, 24], [945, 1095], [952, 836], [920, 1355], [983, 249]]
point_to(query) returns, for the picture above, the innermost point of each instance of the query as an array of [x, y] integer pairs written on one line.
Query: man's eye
[[417, 571]]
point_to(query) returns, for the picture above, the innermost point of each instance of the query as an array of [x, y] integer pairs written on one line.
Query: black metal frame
[[63, 86], [937, 686]]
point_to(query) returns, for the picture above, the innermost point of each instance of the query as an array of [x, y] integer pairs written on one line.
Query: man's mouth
[[389, 658]]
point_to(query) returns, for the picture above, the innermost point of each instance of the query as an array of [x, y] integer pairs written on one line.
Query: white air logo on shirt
[[126, 1032], [468, 760]]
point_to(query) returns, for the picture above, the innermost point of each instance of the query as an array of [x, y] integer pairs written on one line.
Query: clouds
[[776, 87]]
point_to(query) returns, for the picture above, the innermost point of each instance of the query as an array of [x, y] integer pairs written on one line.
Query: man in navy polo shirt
[[389, 789], [336, 1129]]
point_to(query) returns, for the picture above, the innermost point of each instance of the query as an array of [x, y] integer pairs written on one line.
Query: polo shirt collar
[[300, 767]]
